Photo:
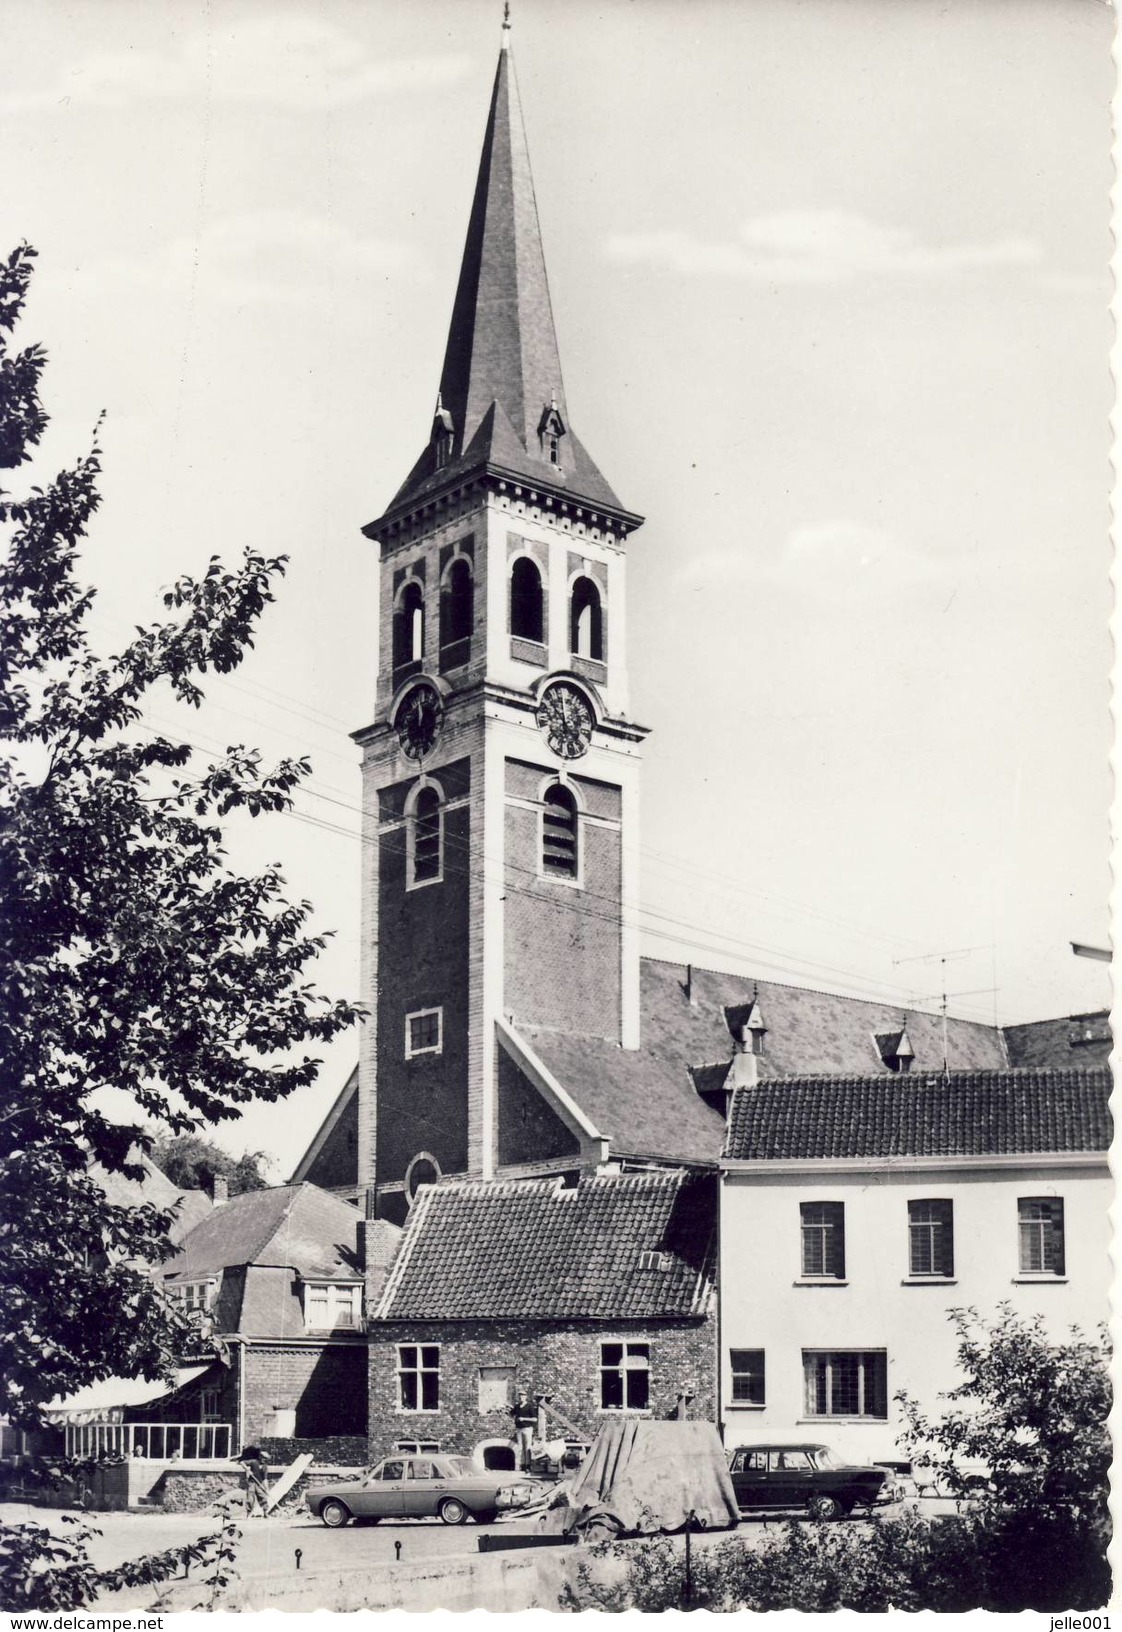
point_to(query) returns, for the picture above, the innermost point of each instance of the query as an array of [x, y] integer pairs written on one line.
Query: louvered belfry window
[[559, 833], [426, 836], [931, 1238]]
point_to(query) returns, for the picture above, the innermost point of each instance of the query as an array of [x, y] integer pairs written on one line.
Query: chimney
[[219, 1189], [688, 988]]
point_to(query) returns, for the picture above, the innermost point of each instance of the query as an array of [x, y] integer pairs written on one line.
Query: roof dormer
[[551, 428], [895, 1049]]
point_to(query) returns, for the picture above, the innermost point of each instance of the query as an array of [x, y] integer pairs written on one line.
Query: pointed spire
[[502, 396], [501, 345]]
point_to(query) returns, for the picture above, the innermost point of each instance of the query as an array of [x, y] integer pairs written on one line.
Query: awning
[[106, 1400]]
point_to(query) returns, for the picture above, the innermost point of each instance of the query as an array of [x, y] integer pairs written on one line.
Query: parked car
[[411, 1487], [806, 1476]]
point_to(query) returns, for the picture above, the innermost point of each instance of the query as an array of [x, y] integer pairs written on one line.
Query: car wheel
[[824, 1507], [334, 1513], [452, 1511]]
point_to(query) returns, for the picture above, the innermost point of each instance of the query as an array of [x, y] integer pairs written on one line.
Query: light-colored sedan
[[413, 1487]]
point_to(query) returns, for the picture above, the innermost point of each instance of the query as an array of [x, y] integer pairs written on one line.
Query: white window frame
[[341, 1297], [927, 1232], [412, 882], [416, 1447], [846, 1416], [412, 1053], [194, 1297], [641, 1363], [1040, 1228], [734, 1373], [808, 1231], [418, 1371]]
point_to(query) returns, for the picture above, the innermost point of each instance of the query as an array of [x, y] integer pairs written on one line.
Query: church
[[541, 1106]]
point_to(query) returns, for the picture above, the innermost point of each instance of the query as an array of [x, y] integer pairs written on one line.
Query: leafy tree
[[1026, 1442], [193, 1162], [131, 955]]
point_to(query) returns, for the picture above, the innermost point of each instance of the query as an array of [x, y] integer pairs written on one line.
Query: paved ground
[[268, 1546]]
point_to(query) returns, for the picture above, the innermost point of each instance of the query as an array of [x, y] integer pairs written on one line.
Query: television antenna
[[954, 955]]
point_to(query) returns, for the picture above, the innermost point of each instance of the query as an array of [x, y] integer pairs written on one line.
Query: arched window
[[559, 833], [526, 608], [456, 609], [427, 849], [586, 621], [409, 626]]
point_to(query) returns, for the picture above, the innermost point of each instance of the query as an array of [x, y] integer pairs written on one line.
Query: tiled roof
[[296, 1226], [530, 1249], [968, 1113], [155, 1189], [646, 1100]]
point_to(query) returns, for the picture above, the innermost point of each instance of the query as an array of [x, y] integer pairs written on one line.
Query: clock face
[[565, 719], [418, 721]]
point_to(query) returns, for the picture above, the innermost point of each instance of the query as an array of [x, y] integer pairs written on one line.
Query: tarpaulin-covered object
[[641, 1477]]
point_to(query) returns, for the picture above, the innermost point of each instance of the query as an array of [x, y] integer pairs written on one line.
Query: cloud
[[284, 257], [818, 246], [287, 60]]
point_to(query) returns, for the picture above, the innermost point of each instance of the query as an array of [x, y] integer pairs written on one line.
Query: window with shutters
[[560, 829], [823, 1240], [426, 839], [1040, 1227], [747, 1368], [845, 1383], [418, 1377], [931, 1239]]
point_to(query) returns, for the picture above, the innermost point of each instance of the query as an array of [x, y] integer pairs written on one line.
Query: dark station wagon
[[803, 1476]]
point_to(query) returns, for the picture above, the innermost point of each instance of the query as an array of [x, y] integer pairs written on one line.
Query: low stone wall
[[193, 1490], [337, 1451]]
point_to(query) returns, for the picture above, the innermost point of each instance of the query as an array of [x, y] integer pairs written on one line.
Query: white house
[[856, 1211]]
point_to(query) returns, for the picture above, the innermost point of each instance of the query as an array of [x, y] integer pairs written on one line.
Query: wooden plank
[[288, 1478]]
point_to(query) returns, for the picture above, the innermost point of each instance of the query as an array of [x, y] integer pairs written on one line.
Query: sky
[[831, 291]]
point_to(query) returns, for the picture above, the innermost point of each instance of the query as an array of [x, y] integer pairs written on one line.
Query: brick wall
[[562, 943], [334, 1450], [326, 1386], [561, 1359], [529, 1131], [423, 934]]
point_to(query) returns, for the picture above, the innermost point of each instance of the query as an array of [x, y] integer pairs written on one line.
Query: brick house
[[278, 1276], [867, 1207], [596, 1297]]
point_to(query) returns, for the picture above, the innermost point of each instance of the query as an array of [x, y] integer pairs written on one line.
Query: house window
[[823, 1240], [195, 1297], [456, 603], [554, 450], [847, 1383], [625, 1376], [417, 1447], [586, 621], [409, 626], [931, 1238], [418, 1377], [424, 1032], [210, 1400], [495, 1387], [329, 1307], [747, 1367], [527, 611], [426, 838], [1040, 1226], [559, 833]]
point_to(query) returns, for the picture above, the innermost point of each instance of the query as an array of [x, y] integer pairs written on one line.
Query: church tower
[[501, 771]]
